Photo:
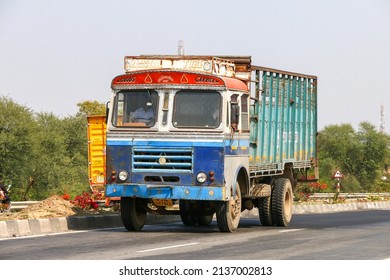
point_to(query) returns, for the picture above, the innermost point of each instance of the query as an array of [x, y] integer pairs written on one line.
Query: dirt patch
[[52, 207]]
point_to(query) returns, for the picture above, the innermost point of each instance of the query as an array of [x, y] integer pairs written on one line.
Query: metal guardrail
[[351, 195], [18, 205]]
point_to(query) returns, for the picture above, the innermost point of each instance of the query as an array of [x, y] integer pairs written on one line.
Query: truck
[[206, 136]]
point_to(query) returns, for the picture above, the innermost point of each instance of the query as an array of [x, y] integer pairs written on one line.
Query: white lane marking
[[60, 233], [291, 230], [167, 247], [41, 235]]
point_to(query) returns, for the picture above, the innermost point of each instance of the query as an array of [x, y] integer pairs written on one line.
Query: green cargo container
[[283, 122]]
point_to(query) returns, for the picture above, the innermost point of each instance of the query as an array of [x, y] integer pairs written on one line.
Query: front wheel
[[229, 212], [204, 220], [186, 214], [133, 213]]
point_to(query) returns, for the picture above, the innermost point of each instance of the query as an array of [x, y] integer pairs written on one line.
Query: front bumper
[[216, 193]]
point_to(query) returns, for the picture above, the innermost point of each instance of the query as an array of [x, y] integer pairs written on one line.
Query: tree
[[75, 137], [359, 155], [42, 154], [87, 108], [60, 156], [374, 154], [17, 128]]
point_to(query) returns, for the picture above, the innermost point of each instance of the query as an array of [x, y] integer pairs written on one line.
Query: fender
[[241, 175]]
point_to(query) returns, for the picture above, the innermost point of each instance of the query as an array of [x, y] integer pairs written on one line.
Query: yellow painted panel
[[97, 151]]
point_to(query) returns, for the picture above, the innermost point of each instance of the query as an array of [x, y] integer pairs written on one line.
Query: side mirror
[[235, 116], [107, 110]]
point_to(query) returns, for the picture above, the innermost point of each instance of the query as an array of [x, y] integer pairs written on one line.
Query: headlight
[[201, 177], [123, 175]]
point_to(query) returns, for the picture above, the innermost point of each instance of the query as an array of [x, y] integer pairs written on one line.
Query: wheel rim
[[288, 204], [235, 207], [235, 210], [228, 213]]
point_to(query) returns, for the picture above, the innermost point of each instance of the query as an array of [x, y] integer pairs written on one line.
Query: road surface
[[359, 235]]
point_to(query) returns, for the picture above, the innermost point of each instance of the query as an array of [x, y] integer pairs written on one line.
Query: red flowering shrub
[[66, 196], [87, 200], [318, 186], [304, 191]]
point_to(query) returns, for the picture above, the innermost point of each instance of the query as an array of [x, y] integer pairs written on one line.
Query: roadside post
[[338, 177]]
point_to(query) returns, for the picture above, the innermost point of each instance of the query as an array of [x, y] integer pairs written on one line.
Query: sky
[[55, 54]]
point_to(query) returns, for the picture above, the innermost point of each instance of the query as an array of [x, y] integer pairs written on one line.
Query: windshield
[[135, 108], [201, 109]]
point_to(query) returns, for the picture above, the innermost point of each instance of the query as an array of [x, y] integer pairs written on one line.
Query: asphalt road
[[359, 235]]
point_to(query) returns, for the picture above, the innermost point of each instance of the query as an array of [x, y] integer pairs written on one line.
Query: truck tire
[[132, 213], [265, 212], [282, 202], [187, 220], [204, 220], [186, 213], [228, 213]]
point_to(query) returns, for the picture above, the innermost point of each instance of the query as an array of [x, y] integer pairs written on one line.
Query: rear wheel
[[229, 212], [282, 202], [265, 213], [133, 213]]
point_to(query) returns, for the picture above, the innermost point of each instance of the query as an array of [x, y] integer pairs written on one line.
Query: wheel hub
[[235, 206]]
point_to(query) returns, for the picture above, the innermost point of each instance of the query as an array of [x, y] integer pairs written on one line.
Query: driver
[[144, 114]]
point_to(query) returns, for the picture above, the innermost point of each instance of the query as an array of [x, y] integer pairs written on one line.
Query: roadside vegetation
[[42, 154], [362, 156]]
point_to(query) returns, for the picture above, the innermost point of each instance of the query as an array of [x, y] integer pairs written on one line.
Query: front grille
[[162, 159]]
